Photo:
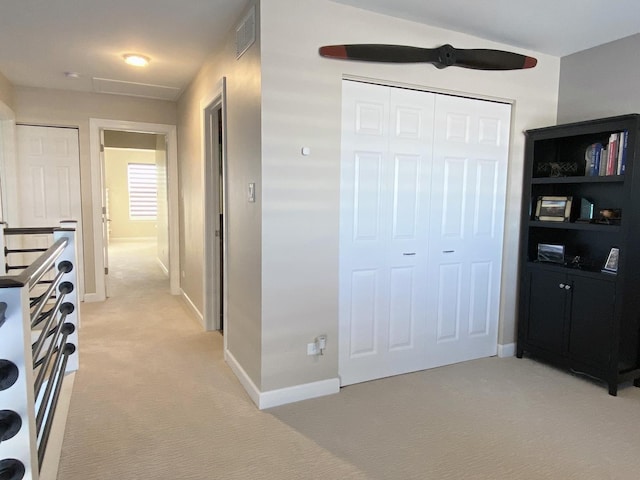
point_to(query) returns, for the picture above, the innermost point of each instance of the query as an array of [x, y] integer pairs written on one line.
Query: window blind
[[143, 191]]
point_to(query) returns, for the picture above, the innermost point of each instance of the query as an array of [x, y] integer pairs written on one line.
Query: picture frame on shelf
[[553, 209], [550, 253], [611, 265]]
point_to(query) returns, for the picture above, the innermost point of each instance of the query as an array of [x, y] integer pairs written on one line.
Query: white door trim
[[211, 318], [8, 163], [95, 126]]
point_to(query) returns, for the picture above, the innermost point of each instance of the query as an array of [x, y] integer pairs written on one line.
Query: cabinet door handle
[[567, 287], [561, 285], [448, 251], [409, 254]]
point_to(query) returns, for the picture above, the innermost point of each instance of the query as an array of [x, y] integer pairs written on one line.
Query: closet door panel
[[470, 154], [385, 181]]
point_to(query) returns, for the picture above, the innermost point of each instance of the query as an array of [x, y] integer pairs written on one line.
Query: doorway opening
[[157, 132], [215, 219], [135, 210]]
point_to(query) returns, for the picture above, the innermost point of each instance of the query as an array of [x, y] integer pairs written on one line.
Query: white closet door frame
[[394, 315]]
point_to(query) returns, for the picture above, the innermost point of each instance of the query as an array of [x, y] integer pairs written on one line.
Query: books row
[[610, 159]]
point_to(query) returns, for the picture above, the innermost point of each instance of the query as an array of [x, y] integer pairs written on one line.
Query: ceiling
[[555, 27], [40, 40]]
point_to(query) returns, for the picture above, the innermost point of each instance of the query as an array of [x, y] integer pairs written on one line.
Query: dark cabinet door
[[591, 319], [546, 309]]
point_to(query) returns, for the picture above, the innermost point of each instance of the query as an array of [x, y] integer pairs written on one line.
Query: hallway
[[146, 402], [154, 400]]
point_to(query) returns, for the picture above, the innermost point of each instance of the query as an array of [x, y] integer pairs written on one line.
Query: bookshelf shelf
[[572, 313], [587, 227], [577, 179], [586, 273]]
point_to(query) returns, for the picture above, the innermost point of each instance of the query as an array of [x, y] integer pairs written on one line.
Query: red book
[[613, 154]]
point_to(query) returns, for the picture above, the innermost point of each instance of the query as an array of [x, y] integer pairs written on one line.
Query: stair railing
[[39, 321]]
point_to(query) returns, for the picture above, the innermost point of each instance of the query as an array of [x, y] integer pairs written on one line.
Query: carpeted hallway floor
[[154, 400]]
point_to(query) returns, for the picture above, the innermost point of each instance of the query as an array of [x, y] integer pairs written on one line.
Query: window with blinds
[[143, 191]]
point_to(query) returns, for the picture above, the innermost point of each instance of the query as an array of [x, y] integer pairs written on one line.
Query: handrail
[[34, 272], [29, 230]]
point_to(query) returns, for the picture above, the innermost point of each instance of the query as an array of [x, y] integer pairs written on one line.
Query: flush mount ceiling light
[[136, 60]]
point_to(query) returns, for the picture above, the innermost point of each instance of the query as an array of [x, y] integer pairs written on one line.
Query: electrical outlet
[[312, 349]]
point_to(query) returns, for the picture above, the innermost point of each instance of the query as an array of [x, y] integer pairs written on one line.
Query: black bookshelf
[[573, 313]]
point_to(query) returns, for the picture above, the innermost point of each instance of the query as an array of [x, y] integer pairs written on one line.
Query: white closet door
[[423, 187], [383, 247], [48, 175], [48, 183], [471, 149]]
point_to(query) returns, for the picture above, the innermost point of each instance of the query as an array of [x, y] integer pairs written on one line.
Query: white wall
[[67, 108], [6, 91], [301, 105], [244, 333], [600, 82]]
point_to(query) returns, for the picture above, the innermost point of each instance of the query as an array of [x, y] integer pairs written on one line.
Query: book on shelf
[[607, 159], [612, 150], [624, 140], [592, 159], [604, 158]]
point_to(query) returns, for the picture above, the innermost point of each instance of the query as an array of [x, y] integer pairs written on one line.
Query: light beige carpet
[[154, 400]]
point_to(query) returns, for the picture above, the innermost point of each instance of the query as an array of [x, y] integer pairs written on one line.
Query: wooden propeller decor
[[441, 57]]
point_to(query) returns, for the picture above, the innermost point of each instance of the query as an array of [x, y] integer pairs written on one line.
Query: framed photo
[[553, 209], [550, 253], [611, 265]]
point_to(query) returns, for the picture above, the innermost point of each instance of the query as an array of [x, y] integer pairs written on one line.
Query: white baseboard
[[507, 350], [244, 379], [133, 239], [93, 297], [192, 307], [162, 267], [282, 396]]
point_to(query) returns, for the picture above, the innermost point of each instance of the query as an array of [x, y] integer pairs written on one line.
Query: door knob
[[561, 285], [567, 287]]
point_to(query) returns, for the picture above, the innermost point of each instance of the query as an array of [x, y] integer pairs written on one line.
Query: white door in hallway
[[420, 230], [48, 183]]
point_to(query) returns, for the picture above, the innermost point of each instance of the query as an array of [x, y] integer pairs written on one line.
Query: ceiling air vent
[[119, 87], [246, 32]]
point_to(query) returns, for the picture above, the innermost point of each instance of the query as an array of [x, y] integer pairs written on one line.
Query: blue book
[[597, 154], [623, 157]]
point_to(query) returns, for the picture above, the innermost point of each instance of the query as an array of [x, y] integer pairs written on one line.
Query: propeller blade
[[483, 59], [441, 57], [380, 53]]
